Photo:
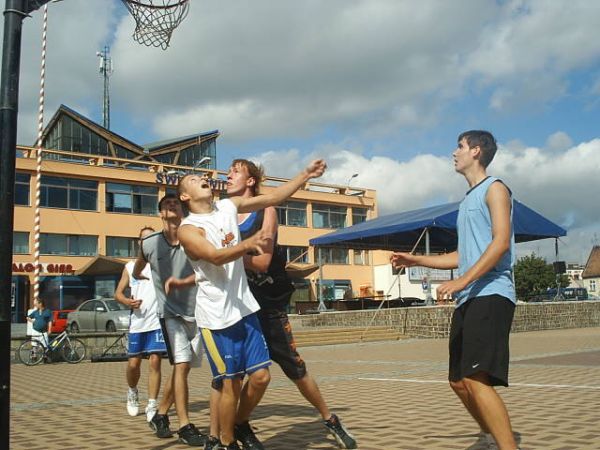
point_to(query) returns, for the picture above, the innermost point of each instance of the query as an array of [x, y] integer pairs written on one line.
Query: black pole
[[15, 12]]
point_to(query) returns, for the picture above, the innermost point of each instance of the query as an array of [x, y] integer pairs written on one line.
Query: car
[[59, 320], [99, 314]]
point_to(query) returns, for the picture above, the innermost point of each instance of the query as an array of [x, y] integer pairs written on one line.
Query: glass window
[[87, 306], [292, 214], [361, 257], [135, 199], [334, 255], [68, 244], [593, 285], [296, 254], [22, 183], [122, 247], [359, 215], [328, 216], [69, 193], [20, 242]]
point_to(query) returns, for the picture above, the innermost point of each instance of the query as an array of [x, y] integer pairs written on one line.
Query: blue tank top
[[474, 225]]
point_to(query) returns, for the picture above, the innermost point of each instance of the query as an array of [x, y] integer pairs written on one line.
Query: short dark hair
[[484, 140], [166, 197], [180, 188], [144, 228], [255, 171], [41, 301]]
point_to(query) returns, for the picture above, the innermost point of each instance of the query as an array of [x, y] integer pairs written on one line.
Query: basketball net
[[155, 20]]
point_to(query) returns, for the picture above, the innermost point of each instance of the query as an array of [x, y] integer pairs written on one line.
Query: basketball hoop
[[155, 20]]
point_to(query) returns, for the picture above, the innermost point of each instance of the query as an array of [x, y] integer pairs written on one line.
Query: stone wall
[[434, 321]]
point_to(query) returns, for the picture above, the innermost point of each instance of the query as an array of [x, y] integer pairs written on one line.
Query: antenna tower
[[106, 70]]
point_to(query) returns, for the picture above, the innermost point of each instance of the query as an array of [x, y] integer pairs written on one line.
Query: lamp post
[[201, 162], [354, 175]]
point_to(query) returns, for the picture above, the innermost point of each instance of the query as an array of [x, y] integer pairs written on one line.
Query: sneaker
[[213, 443], [151, 410], [160, 424], [339, 432], [244, 433], [481, 443], [233, 446], [133, 402], [190, 435]]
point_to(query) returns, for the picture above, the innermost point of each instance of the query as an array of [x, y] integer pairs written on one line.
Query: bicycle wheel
[[73, 351], [31, 352]]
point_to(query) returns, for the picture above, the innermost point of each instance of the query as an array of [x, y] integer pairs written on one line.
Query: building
[[575, 272], [98, 189], [591, 273]]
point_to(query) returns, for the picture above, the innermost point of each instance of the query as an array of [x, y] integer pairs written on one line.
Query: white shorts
[[184, 344]]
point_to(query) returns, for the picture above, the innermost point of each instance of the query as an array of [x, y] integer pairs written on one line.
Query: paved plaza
[[391, 395]]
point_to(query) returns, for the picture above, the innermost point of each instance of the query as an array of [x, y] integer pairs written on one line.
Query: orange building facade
[[99, 189]]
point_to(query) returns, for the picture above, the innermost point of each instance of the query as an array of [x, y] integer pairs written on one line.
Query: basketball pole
[[14, 13]]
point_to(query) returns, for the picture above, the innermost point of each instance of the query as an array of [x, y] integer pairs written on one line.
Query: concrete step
[[330, 336]]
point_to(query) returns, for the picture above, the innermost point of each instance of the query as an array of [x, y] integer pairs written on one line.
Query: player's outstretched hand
[[316, 168], [400, 260]]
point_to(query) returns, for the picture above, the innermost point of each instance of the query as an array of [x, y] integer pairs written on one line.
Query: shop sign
[[46, 268], [172, 179]]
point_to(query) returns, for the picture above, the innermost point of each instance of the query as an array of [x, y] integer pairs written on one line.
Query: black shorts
[[277, 330], [479, 339]]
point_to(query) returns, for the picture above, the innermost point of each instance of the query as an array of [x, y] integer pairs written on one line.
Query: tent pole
[[428, 296], [321, 306]]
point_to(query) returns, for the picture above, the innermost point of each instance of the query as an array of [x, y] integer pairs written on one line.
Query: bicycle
[[33, 351]]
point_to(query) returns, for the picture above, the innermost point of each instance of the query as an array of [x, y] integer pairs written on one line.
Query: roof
[[402, 231], [166, 142], [592, 267]]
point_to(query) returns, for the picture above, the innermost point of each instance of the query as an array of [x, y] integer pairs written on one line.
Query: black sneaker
[[233, 446], [190, 435], [160, 424], [212, 443], [244, 433], [341, 435]]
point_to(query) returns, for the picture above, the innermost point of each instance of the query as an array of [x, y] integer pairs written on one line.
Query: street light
[[354, 175], [201, 162]]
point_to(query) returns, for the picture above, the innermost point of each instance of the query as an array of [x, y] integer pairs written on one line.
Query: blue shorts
[[236, 350], [145, 343]]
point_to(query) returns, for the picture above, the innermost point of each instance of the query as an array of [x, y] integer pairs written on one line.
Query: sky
[[381, 88]]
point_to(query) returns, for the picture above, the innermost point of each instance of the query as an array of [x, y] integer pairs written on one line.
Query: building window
[[295, 254], [135, 199], [333, 255], [22, 183], [359, 215], [361, 257], [328, 216], [292, 214], [593, 285], [69, 193], [122, 247], [68, 244], [20, 243]]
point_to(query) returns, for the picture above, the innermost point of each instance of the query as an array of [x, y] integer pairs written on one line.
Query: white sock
[[133, 390], [151, 401]]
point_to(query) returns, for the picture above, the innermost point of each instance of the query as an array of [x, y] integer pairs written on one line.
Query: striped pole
[[38, 171]]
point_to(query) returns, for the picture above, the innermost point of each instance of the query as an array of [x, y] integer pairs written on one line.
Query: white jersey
[[145, 318], [223, 296]]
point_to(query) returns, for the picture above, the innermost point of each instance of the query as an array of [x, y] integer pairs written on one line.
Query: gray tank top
[[166, 261]]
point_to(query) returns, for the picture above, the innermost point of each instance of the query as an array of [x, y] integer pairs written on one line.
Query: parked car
[[59, 320], [100, 314]]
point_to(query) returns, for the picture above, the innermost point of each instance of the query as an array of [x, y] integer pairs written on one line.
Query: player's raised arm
[[247, 204]]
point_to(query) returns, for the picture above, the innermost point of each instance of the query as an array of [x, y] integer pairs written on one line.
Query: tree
[[534, 276]]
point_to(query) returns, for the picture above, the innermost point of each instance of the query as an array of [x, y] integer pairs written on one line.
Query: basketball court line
[[534, 385]]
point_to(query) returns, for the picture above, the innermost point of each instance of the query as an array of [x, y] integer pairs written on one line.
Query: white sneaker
[[133, 402], [151, 409]]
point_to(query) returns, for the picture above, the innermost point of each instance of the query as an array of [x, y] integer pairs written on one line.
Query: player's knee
[[154, 361], [458, 386], [261, 378]]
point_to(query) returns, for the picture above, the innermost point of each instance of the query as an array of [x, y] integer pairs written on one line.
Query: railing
[[156, 166]]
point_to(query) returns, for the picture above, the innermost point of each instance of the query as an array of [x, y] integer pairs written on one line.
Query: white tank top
[[145, 318], [223, 296]]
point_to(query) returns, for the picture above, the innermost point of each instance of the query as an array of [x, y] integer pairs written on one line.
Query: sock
[[489, 438], [151, 401], [133, 390]]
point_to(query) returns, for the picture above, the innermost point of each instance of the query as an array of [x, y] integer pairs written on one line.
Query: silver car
[[103, 314]]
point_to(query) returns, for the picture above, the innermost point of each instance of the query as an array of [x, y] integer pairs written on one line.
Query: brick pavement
[[392, 395]]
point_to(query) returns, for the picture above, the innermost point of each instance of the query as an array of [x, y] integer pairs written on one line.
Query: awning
[[401, 231], [102, 265]]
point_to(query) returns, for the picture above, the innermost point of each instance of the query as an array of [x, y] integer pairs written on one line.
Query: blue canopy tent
[[403, 231]]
